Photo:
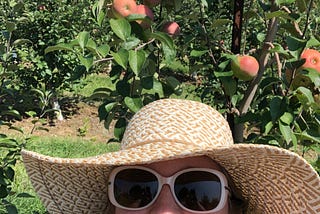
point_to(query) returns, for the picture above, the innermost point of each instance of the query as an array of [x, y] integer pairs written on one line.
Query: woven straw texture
[[273, 180]]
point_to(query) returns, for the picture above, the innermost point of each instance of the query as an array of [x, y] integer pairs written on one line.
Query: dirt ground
[[80, 120]]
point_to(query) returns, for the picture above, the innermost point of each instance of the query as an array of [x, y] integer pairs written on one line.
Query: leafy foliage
[[46, 47]]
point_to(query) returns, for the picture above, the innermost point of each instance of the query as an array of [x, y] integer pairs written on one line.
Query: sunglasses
[[196, 190]]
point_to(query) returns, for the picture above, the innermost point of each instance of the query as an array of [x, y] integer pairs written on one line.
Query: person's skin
[[165, 203]]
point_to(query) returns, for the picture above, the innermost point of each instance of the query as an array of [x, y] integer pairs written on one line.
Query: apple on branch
[[123, 8], [171, 28], [245, 67], [144, 10], [312, 58]]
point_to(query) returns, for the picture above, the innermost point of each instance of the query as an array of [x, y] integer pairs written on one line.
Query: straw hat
[[271, 179]]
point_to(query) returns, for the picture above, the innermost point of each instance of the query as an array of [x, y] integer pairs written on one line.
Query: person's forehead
[[169, 167]]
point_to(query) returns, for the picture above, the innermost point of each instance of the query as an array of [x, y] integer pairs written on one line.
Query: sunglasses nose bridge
[[166, 180]]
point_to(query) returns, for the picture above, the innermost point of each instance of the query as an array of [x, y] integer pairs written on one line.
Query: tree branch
[[251, 91]]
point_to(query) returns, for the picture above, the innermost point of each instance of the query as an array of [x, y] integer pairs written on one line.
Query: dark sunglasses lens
[[135, 188], [198, 190]]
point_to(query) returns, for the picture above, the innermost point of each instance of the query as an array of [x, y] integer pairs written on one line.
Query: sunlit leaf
[[134, 104], [196, 53], [121, 57], [83, 38], [121, 27], [136, 60], [286, 132], [59, 47], [87, 61], [287, 118], [103, 50]]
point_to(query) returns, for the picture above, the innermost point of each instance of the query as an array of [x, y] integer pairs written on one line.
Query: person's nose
[[165, 203]]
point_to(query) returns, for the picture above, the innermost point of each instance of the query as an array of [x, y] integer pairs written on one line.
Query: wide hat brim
[[271, 179]]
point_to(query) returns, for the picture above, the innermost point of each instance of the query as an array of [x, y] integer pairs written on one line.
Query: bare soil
[[80, 120]]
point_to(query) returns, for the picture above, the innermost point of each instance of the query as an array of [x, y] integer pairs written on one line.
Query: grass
[[59, 147], [69, 147], [86, 87]]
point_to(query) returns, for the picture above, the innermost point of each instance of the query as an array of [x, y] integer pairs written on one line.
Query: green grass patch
[[85, 87], [69, 147], [66, 147]]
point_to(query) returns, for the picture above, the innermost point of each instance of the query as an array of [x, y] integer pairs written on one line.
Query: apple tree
[[278, 106]]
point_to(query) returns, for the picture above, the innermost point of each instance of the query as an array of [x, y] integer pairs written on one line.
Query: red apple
[[123, 8], [171, 28], [41, 7], [245, 67], [144, 10], [312, 58], [151, 3]]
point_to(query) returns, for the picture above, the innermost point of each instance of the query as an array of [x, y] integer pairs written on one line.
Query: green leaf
[[286, 132], [9, 173], [123, 88], [119, 128], [21, 42], [196, 53], [276, 109], [220, 22], [11, 209], [103, 50], [10, 26], [302, 6], [268, 127], [13, 113], [59, 47], [86, 61], [153, 86], [136, 60], [174, 85], [121, 27], [278, 13], [108, 120], [25, 195], [287, 118], [134, 104], [3, 191], [83, 38], [100, 17], [313, 75], [92, 46], [168, 48], [110, 106], [295, 44], [130, 43], [100, 94], [163, 38], [169, 53], [229, 85], [306, 136], [133, 17], [304, 95], [223, 74], [286, 2], [121, 57], [312, 42]]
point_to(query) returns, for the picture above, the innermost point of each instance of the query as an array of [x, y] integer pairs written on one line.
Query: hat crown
[[181, 121]]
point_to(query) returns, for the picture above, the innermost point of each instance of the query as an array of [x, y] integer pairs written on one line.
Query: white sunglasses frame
[[170, 182]]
